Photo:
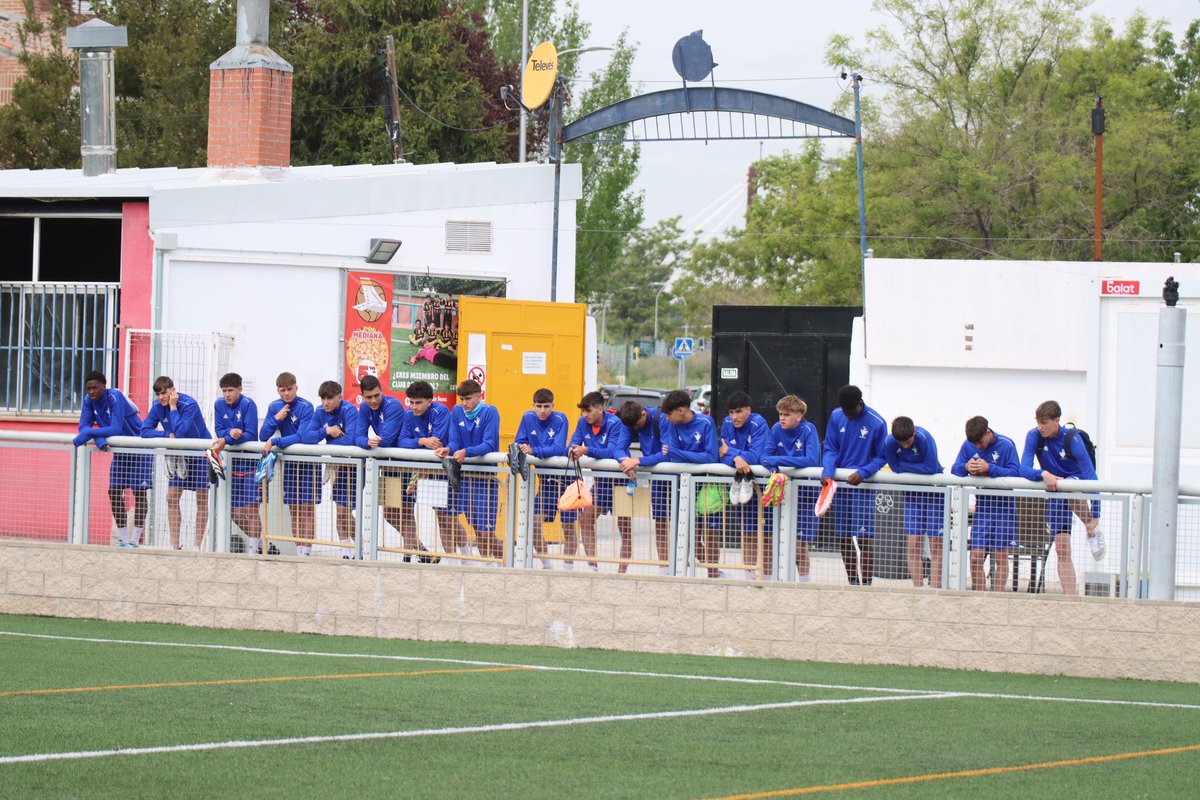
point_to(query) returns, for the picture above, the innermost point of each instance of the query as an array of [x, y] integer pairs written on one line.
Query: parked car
[[702, 399], [616, 395]]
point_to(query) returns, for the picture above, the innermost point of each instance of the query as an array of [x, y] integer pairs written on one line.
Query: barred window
[[59, 300]]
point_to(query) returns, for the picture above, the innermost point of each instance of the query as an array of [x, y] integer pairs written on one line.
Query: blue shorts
[[478, 498], [602, 494], [197, 474], [545, 502], [994, 525], [131, 471], [923, 513], [1058, 514], [854, 512], [660, 499], [344, 493], [299, 483], [244, 490]]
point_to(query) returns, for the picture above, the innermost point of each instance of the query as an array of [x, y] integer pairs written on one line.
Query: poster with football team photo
[[404, 328]]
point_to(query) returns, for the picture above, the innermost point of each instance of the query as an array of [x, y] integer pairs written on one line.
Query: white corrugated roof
[[70, 184]]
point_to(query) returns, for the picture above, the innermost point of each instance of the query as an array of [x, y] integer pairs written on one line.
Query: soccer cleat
[[265, 469], [176, 467], [216, 467], [747, 490], [1096, 543], [735, 492], [773, 494], [453, 473], [328, 473], [425, 557], [514, 459]]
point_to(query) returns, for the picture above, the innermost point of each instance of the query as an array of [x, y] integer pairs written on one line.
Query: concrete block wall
[[1049, 634]]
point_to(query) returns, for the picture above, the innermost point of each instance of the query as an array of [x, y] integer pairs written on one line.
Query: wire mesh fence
[[937, 532]]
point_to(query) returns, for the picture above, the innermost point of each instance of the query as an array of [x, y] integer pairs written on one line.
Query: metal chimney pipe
[[95, 41], [253, 21]]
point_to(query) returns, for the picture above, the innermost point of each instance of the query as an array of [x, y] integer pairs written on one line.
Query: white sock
[[255, 543], [804, 578], [123, 535], [137, 536], [545, 563], [464, 549]]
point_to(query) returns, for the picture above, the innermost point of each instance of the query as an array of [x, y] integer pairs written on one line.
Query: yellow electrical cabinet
[[515, 347]]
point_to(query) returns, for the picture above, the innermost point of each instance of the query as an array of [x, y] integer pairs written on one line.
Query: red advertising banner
[[404, 328]]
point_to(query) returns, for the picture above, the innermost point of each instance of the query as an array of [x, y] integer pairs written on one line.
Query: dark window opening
[[16, 249], [80, 250]]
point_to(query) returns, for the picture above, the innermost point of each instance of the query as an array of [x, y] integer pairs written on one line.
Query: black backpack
[[1072, 432]]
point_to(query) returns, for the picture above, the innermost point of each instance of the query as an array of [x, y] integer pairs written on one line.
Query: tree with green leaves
[[646, 264]]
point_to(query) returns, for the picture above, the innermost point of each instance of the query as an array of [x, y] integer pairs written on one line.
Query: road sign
[[683, 348]]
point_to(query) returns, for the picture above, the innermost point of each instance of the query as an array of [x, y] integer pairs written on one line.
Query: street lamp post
[[660, 291]]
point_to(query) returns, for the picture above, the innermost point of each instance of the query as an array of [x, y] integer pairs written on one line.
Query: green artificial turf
[[748, 751]]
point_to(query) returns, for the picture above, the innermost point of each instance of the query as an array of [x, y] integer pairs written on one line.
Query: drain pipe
[[95, 40]]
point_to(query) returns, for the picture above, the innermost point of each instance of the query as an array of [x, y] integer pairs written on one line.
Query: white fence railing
[[958, 533]]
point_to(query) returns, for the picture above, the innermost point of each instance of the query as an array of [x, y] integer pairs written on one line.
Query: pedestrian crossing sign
[[683, 348]]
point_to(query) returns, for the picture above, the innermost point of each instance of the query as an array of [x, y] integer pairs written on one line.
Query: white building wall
[[945, 340]]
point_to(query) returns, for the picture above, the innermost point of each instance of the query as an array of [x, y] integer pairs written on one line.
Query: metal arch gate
[[673, 108]]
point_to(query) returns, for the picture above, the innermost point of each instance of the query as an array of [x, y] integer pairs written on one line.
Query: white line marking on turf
[[504, 726], [591, 671]]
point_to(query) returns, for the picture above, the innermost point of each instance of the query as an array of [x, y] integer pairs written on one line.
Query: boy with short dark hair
[[543, 434], [743, 440], [598, 434], [235, 418], [336, 423], [647, 424], [691, 438], [1061, 455], [794, 443], [911, 450], [289, 416], [854, 440], [985, 453], [180, 418], [113, 414], [475, 431], [426, 426]]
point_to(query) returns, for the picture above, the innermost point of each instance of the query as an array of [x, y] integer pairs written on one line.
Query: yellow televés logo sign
[[540, 72]]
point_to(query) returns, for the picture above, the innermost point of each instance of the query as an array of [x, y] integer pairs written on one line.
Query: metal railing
[[392, 504], [52, 335]]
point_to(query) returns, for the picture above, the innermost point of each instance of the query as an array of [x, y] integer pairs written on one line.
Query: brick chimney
[[250, 97]]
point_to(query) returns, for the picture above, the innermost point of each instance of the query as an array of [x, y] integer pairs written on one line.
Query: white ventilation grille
[[467, 236]]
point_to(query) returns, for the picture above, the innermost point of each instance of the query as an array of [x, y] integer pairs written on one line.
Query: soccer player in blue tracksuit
[[854, 440], [794, 443], [380, 419], [336, 423], [743, 441], [910, 449], [691, 438], [475, 431], [426, 426], [985, 453], [289, 416], [598, 434], [235, 417], [647, 425], [1058, 459], [113, 414], [543, 434], [180, 418]]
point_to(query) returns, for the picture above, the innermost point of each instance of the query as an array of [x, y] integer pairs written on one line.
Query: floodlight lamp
[[382, 250]]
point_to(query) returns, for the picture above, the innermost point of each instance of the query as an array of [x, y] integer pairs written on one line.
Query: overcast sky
[[773, 46]]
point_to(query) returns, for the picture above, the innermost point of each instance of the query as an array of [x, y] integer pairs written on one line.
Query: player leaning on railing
[[180, 418]]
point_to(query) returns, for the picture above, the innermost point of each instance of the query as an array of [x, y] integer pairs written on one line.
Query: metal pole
[[524, 58], [660, 291], [862, 197], [1168, 414], [1098, 132], [556, 155], [394, 100]]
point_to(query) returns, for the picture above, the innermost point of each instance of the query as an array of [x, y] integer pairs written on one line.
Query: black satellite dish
[[692, 57]]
